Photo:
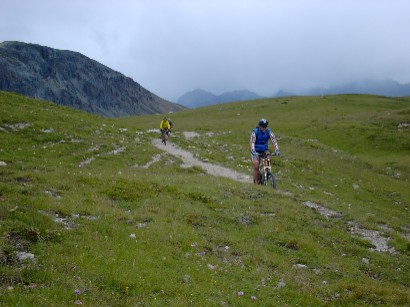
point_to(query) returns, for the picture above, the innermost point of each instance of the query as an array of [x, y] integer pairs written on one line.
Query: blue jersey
[[259, 140], [262, 139]]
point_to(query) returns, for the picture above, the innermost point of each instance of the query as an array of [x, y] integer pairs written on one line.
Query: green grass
[[106, 231]]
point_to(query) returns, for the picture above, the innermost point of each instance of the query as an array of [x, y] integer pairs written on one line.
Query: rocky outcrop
[[74, 80]]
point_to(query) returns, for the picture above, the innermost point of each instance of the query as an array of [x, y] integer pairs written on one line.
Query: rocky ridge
[[74, 80]]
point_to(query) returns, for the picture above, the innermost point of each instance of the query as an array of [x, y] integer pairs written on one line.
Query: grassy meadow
[[91, 213]]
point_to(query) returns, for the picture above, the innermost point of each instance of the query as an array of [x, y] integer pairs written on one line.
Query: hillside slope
[[92, 213], [71, 79]]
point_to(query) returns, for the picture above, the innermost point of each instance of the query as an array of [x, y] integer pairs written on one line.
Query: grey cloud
[[171, 47]]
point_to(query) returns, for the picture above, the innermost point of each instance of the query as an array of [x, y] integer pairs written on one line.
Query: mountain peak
[[74, 80], [200, 97]]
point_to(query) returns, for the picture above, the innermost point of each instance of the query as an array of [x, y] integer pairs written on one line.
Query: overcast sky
[[171, 47]]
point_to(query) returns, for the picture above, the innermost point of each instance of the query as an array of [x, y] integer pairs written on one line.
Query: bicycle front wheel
[[261, 178], [271, 180]]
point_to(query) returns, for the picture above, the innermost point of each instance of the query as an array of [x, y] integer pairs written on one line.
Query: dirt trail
[[190, 160]]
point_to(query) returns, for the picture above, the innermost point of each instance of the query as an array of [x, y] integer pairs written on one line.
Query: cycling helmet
[[263, 122]]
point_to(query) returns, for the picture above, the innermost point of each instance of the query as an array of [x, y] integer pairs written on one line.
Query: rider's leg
[[255, 162]]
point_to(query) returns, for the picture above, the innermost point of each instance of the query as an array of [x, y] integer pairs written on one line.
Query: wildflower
[[77, 292], [240, 293], [253, 297], [78, 302]]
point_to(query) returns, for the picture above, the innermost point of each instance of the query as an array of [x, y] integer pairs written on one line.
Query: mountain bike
[[265, 171]]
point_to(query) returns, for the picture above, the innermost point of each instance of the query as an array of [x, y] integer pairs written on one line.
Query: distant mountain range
[[71, 79], [389, 88], [199, 98]]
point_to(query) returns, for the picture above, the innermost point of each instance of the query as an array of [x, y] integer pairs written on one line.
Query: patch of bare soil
[[322, 210], [112, 152], [373, 236], [190, 134]]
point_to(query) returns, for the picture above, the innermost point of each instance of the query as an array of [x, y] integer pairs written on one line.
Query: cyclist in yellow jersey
[[164, 126]]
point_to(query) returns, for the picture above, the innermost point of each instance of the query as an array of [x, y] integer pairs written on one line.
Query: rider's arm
[[273, 140], [252, 141]]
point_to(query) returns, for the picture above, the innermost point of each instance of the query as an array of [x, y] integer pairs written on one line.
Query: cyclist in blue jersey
[[259, 145]]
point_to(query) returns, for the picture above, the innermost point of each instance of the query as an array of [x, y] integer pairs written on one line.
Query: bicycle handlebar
[[263, 155]]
